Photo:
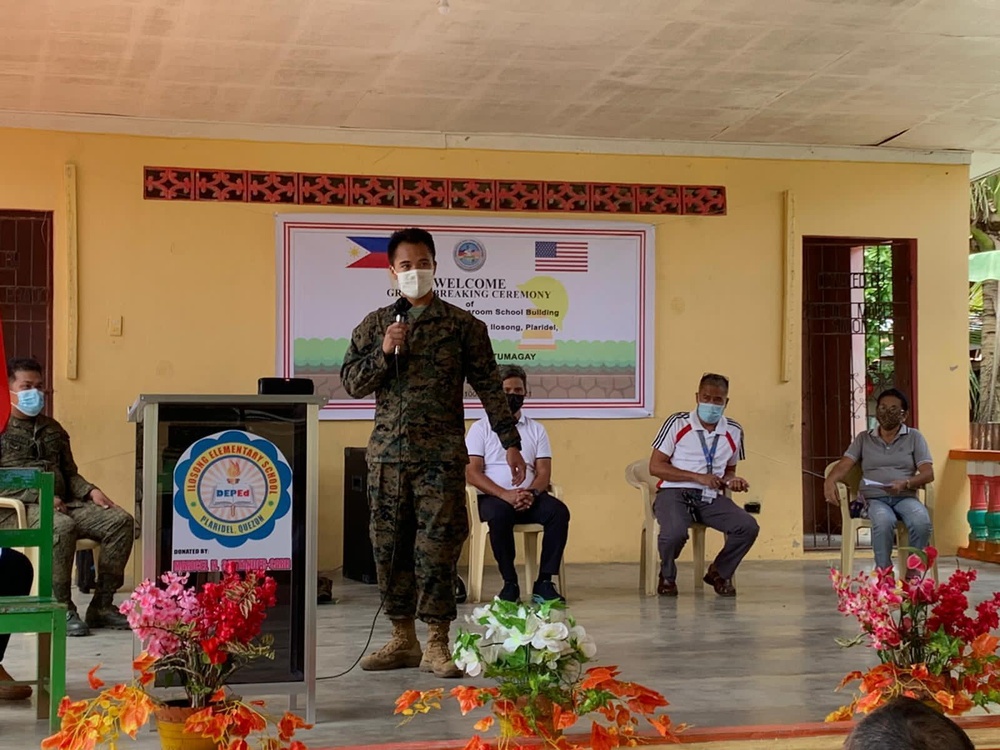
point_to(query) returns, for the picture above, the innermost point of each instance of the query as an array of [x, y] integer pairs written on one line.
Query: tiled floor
[[766, 657]]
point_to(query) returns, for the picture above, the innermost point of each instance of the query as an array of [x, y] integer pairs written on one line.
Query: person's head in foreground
[[907, 724]]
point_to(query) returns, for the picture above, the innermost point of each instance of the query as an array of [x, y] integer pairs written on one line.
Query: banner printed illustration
[[570, 301], [232, 501]]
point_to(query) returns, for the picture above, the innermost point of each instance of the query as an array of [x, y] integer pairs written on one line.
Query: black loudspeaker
[[285, 387], [359, 562]]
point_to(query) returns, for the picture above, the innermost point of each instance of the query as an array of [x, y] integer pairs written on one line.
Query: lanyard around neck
[[709, 453]]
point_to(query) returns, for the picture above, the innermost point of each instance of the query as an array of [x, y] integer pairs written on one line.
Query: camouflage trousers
[[419, 523], [112, 528]]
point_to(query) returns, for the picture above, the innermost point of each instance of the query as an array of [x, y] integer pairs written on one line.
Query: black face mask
[[515, 401]]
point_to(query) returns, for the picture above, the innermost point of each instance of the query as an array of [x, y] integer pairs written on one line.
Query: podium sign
[[232, 503], [234, 479]]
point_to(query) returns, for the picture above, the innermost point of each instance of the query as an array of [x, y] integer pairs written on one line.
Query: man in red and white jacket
[[694, 456]]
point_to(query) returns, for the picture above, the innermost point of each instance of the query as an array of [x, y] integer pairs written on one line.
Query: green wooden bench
[[38, 614]]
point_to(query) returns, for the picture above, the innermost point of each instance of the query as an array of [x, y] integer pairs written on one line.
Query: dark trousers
[[722, 514], [549, 511], [16, 576]]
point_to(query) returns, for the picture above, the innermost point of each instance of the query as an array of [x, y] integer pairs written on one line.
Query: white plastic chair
[[848, 489], [637, 474], [479, 533]]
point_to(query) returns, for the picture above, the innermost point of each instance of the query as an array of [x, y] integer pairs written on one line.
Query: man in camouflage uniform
[[416, 454], [35, 441]]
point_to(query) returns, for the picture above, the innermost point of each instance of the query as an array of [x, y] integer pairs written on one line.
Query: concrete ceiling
[[912, 73]]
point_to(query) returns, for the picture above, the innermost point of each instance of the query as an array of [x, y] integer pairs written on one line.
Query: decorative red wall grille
[[369, 191]]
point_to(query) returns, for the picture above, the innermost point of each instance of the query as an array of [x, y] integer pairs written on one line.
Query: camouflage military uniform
[[416, 454], [42, 443]]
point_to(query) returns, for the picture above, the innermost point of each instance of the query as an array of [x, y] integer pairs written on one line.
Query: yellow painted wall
[[195, 285]]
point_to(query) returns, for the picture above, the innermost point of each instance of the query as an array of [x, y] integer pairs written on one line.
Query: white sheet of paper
[[870, 483]]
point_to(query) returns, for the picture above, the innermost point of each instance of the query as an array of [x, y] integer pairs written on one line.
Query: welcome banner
[[570, 301]]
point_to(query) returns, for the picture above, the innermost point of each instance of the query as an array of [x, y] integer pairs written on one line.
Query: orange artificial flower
[[984, 645], [597, 676], [562, 719], [406, 700], [95, 682], [483, 724], [960, 704], [135, 714], [288, 724], [601, 738], [475, 744], [207, 723], [468, 697], [869, 702]]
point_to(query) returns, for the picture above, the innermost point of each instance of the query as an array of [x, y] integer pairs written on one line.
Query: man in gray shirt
[[895, 462]]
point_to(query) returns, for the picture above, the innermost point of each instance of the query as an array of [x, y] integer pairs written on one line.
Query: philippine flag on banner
[[368, 252]]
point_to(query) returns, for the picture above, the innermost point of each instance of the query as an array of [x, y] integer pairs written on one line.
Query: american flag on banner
[[560, 256]]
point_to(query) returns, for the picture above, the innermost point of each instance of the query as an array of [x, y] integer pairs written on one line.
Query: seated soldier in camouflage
[[33, 440]]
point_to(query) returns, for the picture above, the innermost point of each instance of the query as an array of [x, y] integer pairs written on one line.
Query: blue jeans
[[884, 512]]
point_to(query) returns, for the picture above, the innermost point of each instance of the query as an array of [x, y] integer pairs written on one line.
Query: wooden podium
[[235, 478]]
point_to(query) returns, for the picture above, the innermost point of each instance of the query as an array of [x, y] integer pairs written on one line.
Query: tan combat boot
[[437, 657], [402, 650]]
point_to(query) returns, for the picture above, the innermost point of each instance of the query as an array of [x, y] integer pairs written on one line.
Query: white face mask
[[416, 283]]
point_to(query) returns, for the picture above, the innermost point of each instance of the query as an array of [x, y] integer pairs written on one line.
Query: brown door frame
[[905, 327], [24, 290]]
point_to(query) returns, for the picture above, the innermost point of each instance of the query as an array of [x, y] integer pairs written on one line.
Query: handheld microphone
[[401, 307]]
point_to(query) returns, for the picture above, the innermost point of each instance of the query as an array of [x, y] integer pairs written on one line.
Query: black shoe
[[107, 617], [324, 590], [74, 625], [665, 587], [722, 586], [510, 592], [460, 593], [545, 591]]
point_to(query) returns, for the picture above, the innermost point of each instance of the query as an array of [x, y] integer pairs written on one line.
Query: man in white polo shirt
[[694, 456], [502, 505]]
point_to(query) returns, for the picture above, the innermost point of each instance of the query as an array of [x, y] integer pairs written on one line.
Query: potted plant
[[929, 646], [203, 637], [537, 653]]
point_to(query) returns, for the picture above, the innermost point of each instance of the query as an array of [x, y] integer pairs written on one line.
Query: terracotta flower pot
[[170, 721]]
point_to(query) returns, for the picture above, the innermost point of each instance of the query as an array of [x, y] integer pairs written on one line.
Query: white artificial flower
[[468, 660], [490, 654], [551, 636], [532, 623], [478, 613], [584, 643], [515, 639]]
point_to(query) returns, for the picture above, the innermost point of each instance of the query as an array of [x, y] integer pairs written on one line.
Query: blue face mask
[[710, 413], [30, 403]]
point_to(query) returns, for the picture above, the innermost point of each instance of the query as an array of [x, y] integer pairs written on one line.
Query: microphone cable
[[400, 309]]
